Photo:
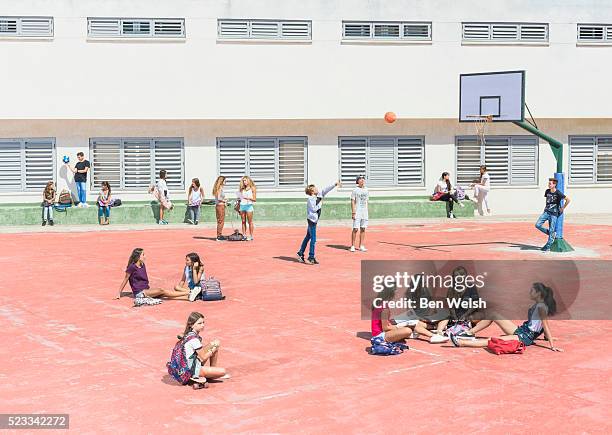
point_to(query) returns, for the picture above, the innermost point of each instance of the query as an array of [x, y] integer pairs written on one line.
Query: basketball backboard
[[499, 94]]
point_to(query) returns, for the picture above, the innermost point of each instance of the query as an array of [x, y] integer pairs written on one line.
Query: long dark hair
[[135, 256], [193, 317], [195, 258], [107, 185], [547, 296], [448, 183], [195, 181]]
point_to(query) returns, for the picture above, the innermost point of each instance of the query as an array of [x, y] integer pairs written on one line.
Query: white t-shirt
[[245, 197], [190, 347], [196, 197], [485, 180], [361, 196], [162, 187], [443, 186]]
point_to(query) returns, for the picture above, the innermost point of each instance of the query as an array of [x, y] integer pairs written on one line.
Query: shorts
[[526, 335], [248, 208], [381, 335], [140, 294], [360, 223]]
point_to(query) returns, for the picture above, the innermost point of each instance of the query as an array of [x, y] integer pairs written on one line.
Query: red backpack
[[178, 366], [499, 346]]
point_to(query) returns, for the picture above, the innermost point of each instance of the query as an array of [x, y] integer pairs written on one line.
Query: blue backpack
[[178, 366], [382, 347]]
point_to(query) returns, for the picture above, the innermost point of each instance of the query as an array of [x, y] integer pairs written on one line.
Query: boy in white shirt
[[359, 207]]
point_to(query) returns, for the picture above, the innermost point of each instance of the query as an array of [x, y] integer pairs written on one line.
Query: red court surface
[[292, 338]]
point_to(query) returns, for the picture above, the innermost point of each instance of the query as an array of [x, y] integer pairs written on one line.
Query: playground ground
[[292, 337]]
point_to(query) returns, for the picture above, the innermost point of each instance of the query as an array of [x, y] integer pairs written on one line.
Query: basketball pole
[[559, 245]]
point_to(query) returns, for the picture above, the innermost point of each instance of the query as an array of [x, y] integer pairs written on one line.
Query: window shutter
[[410, 161], [296, 30], [417, 31], [381, 158], [36, 26], [291, 162], [135, 27], [386, 30], [357, 30], [102, 27], [604, 160], [39, 163], [591, 33], [497, 159], [10, 165], [534, 32], [473, 31], [469, 159], [352, 158], [523, 160], [169, 156], [106, 162], [232, 154], [582, 159], [262, 161], [169, 28], [264, 29], [137, 164], [8, 26], [509, 32], [233, 29]]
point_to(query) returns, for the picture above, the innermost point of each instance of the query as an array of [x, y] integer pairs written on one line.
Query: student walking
[[313, 213], [104, 204], [195, 195], [47, 204], [359, 207], [80, 170], [481, 191], [247, 195], [220, 204], [552, 210]]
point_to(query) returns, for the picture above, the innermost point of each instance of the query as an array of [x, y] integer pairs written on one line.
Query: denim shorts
[[526, 335], [248, 208]]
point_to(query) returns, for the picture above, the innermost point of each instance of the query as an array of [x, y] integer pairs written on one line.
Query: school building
[[294, 92]]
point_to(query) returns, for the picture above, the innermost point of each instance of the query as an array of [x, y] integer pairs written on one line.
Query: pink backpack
[[178, 366]]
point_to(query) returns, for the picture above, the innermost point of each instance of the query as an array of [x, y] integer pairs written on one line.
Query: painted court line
[[416, 367]]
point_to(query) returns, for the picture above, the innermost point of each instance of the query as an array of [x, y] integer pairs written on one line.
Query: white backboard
[[501, 94]]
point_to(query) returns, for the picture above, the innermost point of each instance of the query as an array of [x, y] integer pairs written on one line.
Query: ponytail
[[547, 296]]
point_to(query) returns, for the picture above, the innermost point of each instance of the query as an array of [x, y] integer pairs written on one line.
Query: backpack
[[115, 203], [458, 327], [211, 290], [65, 198], [499, 346], [236, 236], [382, 347], [460, 193], [178, 366]]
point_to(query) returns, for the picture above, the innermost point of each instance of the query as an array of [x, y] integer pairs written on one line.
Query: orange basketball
[[390, 117]]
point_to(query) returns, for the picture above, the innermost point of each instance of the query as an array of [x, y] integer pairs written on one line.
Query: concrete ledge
[[265, 210]]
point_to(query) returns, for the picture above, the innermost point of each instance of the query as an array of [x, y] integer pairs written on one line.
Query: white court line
[[423, 351], [416, 367]]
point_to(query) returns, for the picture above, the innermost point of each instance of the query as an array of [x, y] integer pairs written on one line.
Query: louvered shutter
[[505, 32], [39, 163], [410, 161], [534, 32], [296, 30], [604, 160], [8, 26], [103, 27], [476, 32], [353, 158], [582, 159], [386, 30], [105, 162], [10, 165], [232, 29], [523, 164], [33, 26], [357, 30], [136, 27], [381, 159], [232, 155], [137, 164], [262, 161], [591, 33], [469, 159], [264, 29], [417, 31], [496, 159], [169, 156], [291, 162], [169, 28]]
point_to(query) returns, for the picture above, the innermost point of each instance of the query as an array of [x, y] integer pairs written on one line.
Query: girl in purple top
[[136, 274]]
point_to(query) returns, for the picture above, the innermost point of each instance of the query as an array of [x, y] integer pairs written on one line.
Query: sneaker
[[250, 239], [85, 205], [454, 340], [362, 248], [352, 249], [44, 223], [436, 339], [163, 223], [194, 292], [301, 258], [465, 335], [196, 222], [313, 260], [451, 216], [51, 222], [220, 238], [190, 221], [545, 248]]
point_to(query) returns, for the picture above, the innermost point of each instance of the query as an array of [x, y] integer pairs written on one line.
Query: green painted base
[[560, 245]]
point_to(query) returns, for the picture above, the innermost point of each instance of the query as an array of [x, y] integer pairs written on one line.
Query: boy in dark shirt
[[80, 178], [552, 211]]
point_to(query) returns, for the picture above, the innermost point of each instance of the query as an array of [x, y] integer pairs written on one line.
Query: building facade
[[294, 92]]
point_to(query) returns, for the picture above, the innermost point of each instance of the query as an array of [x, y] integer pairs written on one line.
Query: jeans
[[104, 211], [194, 213], [47, 213], [81, 191], [311, 235], [552, 224]]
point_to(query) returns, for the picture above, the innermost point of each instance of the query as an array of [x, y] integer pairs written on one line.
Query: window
[[26, 26], [505, 32], [595, 33], [386, 30], [134, 163], [136, 27], [510, 160], [590, 159], [386, 161], [264, 29], [269, 161], [26, 164]]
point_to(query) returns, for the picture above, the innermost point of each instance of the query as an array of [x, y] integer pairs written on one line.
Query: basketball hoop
[[481, 122]]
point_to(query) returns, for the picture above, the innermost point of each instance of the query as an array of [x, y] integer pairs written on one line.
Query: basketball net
[[481, 122]]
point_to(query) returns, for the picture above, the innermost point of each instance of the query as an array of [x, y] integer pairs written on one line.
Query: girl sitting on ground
[[136, 274], [104, 203], [192, 275], [385, 327], [536, 323], [198, 355]]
